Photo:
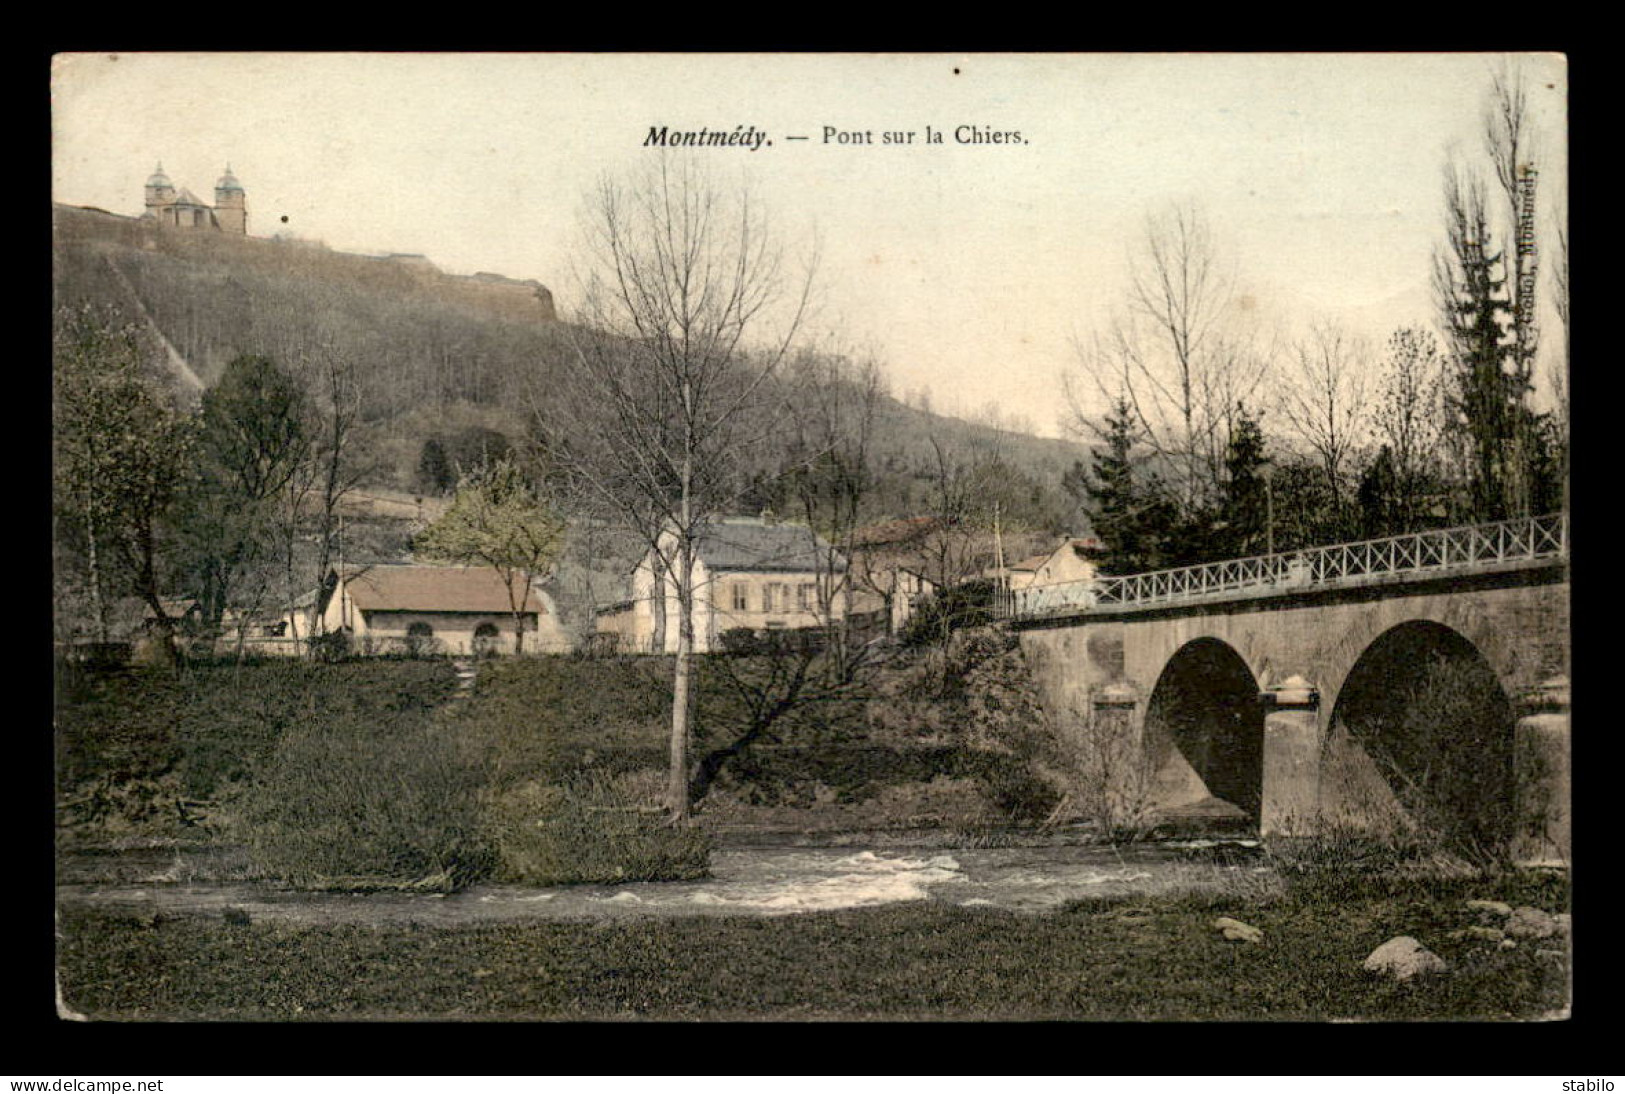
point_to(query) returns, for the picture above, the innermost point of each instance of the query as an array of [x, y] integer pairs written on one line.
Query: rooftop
[[436, 589], [756, 545]]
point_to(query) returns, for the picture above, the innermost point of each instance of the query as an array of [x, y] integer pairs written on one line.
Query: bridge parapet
[[1469, 549]]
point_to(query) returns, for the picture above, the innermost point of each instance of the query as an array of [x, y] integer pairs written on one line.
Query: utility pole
[[1269, 508], [1003, 586], [343, 582]]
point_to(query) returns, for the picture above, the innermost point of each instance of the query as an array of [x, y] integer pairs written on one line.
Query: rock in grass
[[237, 917], [1402, 958], [1530, 923], [1234, 930], [1483, 934], [1494, 907]]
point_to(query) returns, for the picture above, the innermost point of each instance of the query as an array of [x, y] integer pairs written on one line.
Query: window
[[806, 600], [420, 640], [741, 599], [778, 597]]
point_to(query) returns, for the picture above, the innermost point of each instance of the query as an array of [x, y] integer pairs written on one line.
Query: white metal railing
[[1463, 549]]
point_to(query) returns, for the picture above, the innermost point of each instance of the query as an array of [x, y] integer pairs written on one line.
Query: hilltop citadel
[[219, 232]]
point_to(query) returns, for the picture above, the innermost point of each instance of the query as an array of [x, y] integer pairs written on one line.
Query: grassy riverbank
[[551, 769], [1144, 959]]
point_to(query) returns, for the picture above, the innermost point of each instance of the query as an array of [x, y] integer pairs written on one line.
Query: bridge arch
[[1422, 719], [1509, 658], [1204, 733]]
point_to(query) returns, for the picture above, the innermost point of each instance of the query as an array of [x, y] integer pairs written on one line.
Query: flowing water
[[744, 881]]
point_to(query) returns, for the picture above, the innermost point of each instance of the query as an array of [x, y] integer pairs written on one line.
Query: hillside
[[422, 337], [443, 357]]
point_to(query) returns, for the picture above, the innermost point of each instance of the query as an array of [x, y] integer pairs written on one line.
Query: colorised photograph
[[810, 537]]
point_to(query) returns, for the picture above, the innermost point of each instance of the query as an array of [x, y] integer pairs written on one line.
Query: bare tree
[[1177, 356], [690, 306], [960, 509], [831, 404], [338, 442], [330, 467], [1324, 402], [1178, 287], [1407, 418]]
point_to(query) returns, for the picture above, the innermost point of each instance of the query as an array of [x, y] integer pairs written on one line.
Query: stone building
[[172, 208], [449, 609]]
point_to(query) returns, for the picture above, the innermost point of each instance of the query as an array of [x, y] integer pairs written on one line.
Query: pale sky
[[968, 268]]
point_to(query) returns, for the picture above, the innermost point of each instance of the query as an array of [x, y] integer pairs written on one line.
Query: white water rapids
[[744, 881]]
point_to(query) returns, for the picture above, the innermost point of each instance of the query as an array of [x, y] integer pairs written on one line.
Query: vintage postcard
[[875, 537]]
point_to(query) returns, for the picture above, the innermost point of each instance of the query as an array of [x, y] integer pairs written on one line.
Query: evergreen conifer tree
[[1108, 494], [1245, 504]]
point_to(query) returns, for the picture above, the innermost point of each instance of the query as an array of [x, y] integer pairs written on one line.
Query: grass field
[[1151, 959]]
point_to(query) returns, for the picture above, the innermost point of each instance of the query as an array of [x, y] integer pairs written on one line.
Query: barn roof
[[436, 589]]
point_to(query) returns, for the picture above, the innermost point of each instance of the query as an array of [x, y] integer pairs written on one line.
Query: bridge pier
[[1292, 756], [1540, 746]]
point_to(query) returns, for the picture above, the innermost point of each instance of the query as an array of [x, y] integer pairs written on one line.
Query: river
[[745, 880]]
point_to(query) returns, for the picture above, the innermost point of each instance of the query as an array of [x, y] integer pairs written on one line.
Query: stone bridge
[[1340, 690]]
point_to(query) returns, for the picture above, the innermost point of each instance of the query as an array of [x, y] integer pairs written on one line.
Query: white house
[[1071, 561], [749, 573]]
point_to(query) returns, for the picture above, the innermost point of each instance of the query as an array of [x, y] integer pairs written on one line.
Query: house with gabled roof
[[450, 609], [1073, 560], [888, 568], [1021, 573], [750, 573]]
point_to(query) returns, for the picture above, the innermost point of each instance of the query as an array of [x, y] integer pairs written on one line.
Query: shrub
[[740, 642], [575, 750], [1111, 775], [146, 805], [598, 646], [544, 718], [936, 618], [361, 804], [1446, 751], [593, 828], [332, 646]]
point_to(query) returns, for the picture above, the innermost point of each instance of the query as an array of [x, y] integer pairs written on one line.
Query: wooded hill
[[451, 358]]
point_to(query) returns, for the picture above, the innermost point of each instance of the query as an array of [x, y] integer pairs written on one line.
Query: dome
[[159, 178], [228, 181]]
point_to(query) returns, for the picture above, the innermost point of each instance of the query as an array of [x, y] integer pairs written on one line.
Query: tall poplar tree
[[121, 453]]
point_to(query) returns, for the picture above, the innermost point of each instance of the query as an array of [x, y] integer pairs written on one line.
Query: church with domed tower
[[172, 208]]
